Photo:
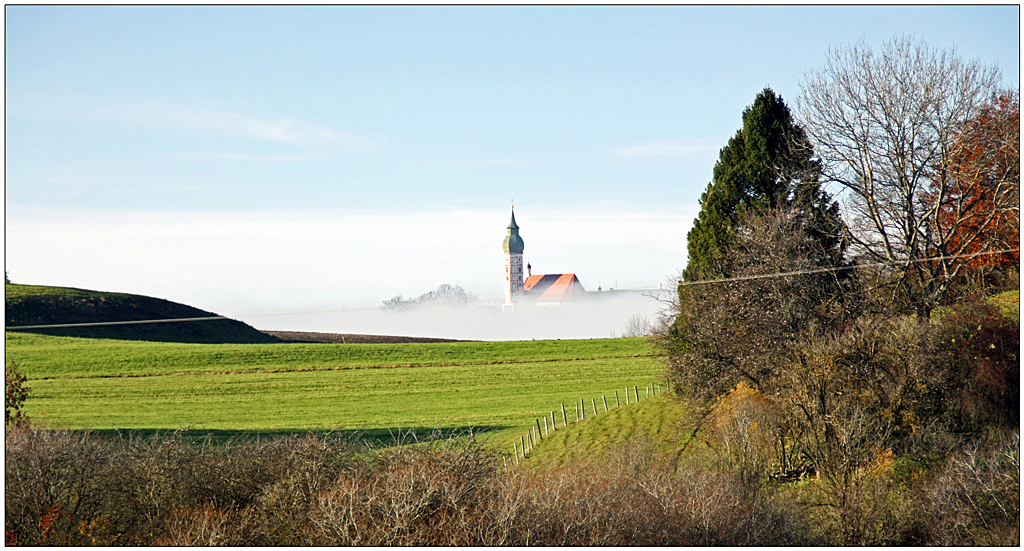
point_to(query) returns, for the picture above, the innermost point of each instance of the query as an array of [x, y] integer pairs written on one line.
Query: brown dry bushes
[[67, 488]]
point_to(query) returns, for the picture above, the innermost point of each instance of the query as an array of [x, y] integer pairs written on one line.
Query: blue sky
[[246, 159]]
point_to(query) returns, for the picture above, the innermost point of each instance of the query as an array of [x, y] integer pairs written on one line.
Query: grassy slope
[[498, 387], [1009, 303], [663, 421], [40, 305]]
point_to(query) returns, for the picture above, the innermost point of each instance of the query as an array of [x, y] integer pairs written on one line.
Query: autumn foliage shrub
[[749, 430], [15, 394], [874, 414], [66, 488]]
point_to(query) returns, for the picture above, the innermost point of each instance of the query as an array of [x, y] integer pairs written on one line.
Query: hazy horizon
[[254, 160], [603, 316]]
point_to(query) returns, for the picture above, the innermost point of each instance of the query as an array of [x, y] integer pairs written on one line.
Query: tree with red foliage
[[886, 126], [978, 192]]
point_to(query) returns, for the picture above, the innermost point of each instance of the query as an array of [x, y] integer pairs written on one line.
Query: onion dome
[[513, 243]]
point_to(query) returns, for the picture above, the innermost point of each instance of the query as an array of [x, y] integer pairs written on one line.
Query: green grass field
[[494, 387], [46, 357]]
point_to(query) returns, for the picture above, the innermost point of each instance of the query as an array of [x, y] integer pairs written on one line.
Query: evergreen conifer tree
[[768, 163], [764, 212]]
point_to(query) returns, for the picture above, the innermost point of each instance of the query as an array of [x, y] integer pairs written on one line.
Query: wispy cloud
[[260, 158], [291, 132], [498, 163], [666, 150]]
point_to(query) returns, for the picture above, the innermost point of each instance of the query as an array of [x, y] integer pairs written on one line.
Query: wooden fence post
[[577, 404], [565, 420], [546, 433], [583, 410], [553, 427], [593, 404], [522, 444], [637, 393], [627, 395], [617, 399], [605, 401], [516, 450], [539, 435], [647, 392]]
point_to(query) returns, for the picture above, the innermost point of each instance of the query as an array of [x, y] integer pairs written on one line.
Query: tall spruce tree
[[764, 212], [768, 163]]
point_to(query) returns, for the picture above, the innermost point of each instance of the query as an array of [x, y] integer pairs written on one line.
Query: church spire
[[513, 263], [513, 243]]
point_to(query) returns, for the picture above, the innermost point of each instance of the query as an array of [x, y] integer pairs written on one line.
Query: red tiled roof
[[553, 287]]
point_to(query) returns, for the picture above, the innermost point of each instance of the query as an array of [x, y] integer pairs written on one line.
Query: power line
[[130, 322], [841, 268], [681, 283]]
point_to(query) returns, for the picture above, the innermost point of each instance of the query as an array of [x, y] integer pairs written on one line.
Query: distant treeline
[[447, 295]]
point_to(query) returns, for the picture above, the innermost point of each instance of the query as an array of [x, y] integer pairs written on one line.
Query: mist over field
[[600, 315], [256, 267]]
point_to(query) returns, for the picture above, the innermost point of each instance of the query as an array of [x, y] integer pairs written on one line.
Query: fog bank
[[600, 315]]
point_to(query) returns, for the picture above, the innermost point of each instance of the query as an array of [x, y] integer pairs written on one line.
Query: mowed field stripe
[[42, 357], [334, 368]]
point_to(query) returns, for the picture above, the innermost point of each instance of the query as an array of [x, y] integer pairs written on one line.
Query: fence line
[[534, 436]]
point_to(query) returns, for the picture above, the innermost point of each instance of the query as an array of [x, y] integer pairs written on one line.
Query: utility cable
[[840, 268], [130, 322], [681, 284]]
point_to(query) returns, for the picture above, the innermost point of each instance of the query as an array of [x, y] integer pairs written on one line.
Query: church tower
[[513, 262]]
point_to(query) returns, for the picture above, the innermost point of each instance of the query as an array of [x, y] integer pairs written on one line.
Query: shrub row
[[74, 488]]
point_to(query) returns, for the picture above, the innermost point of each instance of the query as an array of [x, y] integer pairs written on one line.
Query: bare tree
[[449, 295], [884, 125], [732, 331], [397, 302], [444, 295], [638, 326]]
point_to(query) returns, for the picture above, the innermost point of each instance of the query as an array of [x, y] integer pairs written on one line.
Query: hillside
[[39, 305], [663, 425]]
